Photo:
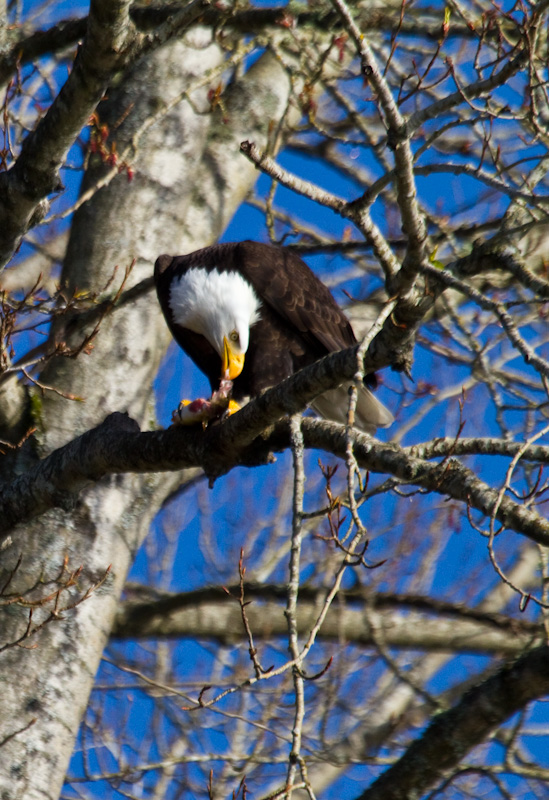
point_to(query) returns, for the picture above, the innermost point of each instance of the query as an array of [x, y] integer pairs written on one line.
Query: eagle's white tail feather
[[370, 414]]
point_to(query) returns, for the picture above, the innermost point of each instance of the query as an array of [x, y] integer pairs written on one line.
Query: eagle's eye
[[234, 337]]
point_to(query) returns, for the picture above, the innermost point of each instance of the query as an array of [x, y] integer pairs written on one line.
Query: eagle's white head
[[222, 307]]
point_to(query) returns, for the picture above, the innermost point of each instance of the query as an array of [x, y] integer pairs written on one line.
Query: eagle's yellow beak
[[231, 363]]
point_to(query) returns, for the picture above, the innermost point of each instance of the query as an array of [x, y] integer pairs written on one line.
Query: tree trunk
[[189, 180]]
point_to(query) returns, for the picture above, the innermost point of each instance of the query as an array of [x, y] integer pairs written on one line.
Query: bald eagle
[[255, 314]]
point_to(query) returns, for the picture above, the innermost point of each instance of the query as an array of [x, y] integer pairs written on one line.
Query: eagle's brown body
[[299, 321]]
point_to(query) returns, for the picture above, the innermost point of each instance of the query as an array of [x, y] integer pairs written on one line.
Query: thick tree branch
[[116, 446], [36, 172], [110, 44], [454, 733], [404, 622]]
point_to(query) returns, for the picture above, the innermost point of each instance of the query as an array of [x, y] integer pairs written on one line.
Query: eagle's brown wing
[[283, 281]]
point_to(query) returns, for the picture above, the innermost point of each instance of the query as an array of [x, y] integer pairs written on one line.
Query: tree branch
[[454, 733], [110, 44], [450, 478], [449, 446], [117, 446], [28, 45], [399, 141], [405, 621], [36, 172]]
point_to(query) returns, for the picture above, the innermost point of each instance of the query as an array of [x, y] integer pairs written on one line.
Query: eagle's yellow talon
[[232, 408]]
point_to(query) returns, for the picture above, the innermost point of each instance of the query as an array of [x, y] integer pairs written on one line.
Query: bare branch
[[399, 142]]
